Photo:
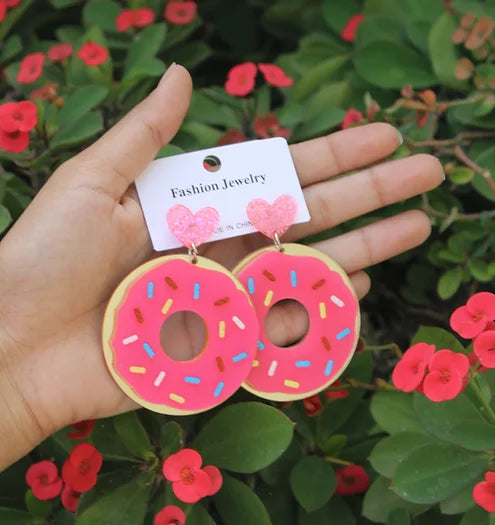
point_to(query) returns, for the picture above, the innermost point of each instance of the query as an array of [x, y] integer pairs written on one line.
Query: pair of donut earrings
[[233, 306]]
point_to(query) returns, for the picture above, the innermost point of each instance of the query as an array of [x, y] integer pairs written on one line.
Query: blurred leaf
[[79, 104], [198, 515], [313, 481], [399, 517], [439, 337], [244, 437], [337, 14], [16, 517], [279, 502], [458, 503], [11, 47], [60, 4], [449, 282], [334, 445], [171, 438], [209, 111], [140, 58], [105, 439], [434, 472], [133, 434], [473, 435], [191, 54], [475, 516], [5, 218], [485, 159], [333, 94], [479, 270], [319, 124], [384, 28], [393, 66], [335, 512], [394, 412], [169, 150], [461, 175], [38, 508], [76, 133], [423, 10], [101, 13], [278, 472], [69, 33]]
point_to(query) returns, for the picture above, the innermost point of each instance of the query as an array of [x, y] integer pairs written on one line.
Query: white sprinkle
[[337, 301], [159, 378], [273, 367], [130, 339], [238, 322]]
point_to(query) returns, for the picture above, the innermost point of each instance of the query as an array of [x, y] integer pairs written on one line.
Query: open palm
[[84, 232]]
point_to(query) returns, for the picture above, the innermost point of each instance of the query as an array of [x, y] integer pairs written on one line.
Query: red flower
[[275, 75], [470, 320], [43, 479], [124, 20], [180, 13], [80, 470], [59, 52], [484, 492], [12, 3], [3, 10], [231, 136], [349, 32], [31, 68], [484, 348], [352, 117], [410, 370], [266, 126], [92, 54], [18, 116], [312, 405], [143, 17], [84, 429], [215, 477], [337, 394], [446, 378], [70, 498], [189, 482], [352, 479], [170, 515], [241, 79], [14, 142]]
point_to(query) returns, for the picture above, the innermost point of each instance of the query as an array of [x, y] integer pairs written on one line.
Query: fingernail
[[401, 138], [167, 73]]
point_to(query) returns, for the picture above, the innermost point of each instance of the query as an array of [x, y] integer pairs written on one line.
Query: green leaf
[[313, 481], [198, 515], [319, 124], [439, 337], [485, 159], [171, 438], [278, 472], [476, 516], [394, 412], [380, 501], [60, 4], [393, 66], [436, 471], [38, 508], [5, 218], [479, 270], [399, 517], [133, 434], [337, 14], [237, 504], [244, 437], [101, 13], [143, 50], [449, 283], [389, 452], [333, 94], [473, 435], [458, 503], [16, 517], [460, 175], [335, 512], [279, 502], [12, 46], [82, 130], [81, 102]]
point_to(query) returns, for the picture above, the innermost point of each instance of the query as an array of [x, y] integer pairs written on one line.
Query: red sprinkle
[[326, 343], [319, 284], [269, 275], [220, 364], [171, 283], [139, 315], [223, 300]]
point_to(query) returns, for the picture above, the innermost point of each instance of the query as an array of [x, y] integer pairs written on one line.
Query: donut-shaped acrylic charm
[[152, 293], [303, 274]]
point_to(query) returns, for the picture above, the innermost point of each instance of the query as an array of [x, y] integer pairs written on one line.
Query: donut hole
[[183, 335], [286, 323]]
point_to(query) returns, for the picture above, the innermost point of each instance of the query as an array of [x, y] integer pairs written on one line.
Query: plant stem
[[464, 136], [336, 460], [462, 156], [390, 346], [485, 407], [427, 208]]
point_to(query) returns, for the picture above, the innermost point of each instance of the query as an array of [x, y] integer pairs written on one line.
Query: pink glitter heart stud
[[272, 219], [191, 228]]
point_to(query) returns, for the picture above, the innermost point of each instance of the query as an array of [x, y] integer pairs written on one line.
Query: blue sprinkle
[[196, 291], [293, 277], [261, 346], [239, 357], [329, 367], [193, 380], [344, 332], [251, 285], [151, 290], [303, 364], [218, 389], [148, 349]]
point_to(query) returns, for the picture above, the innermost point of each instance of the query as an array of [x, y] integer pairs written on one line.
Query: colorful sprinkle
[[318, 284], [343, 334], [273, 367], [159, 378], [323, 311], [293, 278], [137, 369], [260, 344], [223, 300], [337, 301], [251, 285], [220, 363], [291, 384], [268, 297], [192, 380], [151, 290], [239, 357], [303, 364], [256, 363], [218, 389], [171, 283], [329, 367], [238, 322], [196, 291], [176, 398], [326, 343], [221, 329], [138, 315], [148, 349], [167, 305], [269, 275], [129, 340]]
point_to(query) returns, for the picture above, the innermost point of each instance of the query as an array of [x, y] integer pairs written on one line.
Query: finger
[[378, 241], [361, 282], [343, 151], [333, 202], [117, 158]]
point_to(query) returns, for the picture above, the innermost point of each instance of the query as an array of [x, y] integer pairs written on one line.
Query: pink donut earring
[[150, 294], [294, 271]]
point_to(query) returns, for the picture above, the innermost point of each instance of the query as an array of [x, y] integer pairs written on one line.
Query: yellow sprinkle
[[221, 329], [166, 306], [323, 311], [268, 297], [291, 384], [176, 398], [137, 369], [256, 363]]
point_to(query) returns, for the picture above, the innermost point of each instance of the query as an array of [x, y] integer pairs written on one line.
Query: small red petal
[[215, 477], [170, 515]]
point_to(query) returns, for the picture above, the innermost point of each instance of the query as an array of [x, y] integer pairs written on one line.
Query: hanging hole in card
[[211, 163]]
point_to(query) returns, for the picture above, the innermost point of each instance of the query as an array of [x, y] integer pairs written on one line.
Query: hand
[[84, 232]]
